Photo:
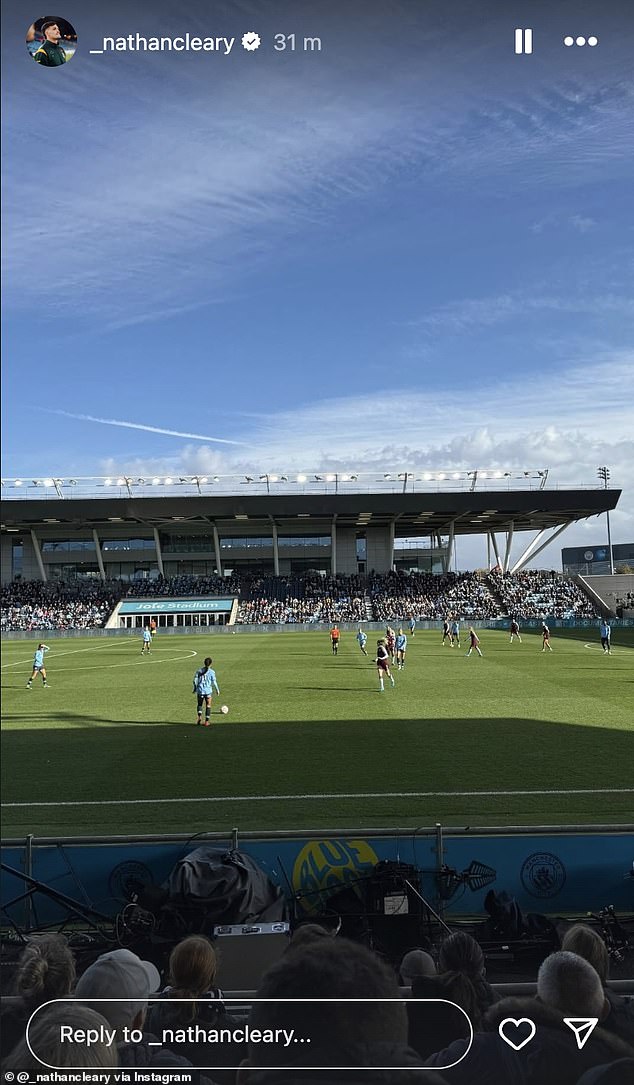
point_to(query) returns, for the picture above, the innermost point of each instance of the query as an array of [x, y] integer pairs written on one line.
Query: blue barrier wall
[[591, 624], [551, 872]]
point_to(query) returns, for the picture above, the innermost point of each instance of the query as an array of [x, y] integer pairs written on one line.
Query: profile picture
[[51, 41]]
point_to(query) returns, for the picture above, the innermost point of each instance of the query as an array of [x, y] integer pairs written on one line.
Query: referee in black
[[50, 53]]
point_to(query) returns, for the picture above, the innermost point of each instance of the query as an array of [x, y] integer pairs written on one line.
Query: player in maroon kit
[[474, 642]]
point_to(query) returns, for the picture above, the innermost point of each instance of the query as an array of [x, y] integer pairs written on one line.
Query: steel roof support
[[507, 552], [102, 571], [159, 555], [38, 555], [494, 544], [533, 549]]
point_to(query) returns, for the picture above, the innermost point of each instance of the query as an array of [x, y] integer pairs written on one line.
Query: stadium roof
[[463, 512]]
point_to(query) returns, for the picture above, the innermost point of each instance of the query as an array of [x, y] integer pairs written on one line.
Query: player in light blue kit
[[147, 640], [38, 664], [401, 647], [454, 633], [204, 685], [362, 640], [606, 633], [412, 626]]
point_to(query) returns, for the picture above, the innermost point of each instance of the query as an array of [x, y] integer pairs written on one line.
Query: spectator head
[[568, 984], [588, 943], [414, 964], [46, 969], [308, 934], [193, 965], [461, 953], [44, 1039], [341, 1033], [119, 974], [434, 1025]]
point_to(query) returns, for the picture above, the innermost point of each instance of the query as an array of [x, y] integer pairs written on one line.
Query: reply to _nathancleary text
[[192, 1034]]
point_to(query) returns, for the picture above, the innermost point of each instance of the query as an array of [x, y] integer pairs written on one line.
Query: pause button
[[523, 40]]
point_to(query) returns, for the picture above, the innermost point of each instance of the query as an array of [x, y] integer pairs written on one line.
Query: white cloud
[[570, 422], [470, 314], [199, 195], [583, 224]]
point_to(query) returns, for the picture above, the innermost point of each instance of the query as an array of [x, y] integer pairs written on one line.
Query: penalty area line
[[330, 796]]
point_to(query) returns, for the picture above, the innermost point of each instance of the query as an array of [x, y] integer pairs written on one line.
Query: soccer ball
[[224, 709]]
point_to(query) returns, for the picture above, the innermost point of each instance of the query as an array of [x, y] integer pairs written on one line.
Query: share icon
[[583, 1027]]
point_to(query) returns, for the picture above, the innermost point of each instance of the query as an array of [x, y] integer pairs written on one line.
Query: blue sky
[[414, 249]]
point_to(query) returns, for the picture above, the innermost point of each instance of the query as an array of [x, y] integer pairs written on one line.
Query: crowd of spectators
[[625, 601], [537, 594], [380, 1031], [183, 585], [311, 598], [32, 604], [397, 596], [391, 597]]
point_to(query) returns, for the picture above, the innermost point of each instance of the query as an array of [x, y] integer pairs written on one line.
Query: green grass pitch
[[310, 742]]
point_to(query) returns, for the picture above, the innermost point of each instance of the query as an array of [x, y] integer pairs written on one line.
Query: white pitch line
[[107, 666], [74, 652], [334, 795], [130, 663]]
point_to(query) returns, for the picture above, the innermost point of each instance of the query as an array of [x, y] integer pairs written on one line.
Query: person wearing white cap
[[118, 985]]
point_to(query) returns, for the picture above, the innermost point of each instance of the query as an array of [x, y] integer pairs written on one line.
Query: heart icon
[[511, 1024]]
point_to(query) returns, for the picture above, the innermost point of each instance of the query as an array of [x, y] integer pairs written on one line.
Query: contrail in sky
[[139, 425]]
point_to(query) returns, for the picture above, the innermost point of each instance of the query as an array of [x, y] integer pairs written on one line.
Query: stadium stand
[[538, 594], [423, 595], [31, 604], [392, 597], [429, 1036]]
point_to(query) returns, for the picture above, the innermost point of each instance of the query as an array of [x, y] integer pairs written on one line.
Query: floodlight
[[203, 479], [273, 478], [48, 481], [353, 478], [18, 482], [456, 474], [301, 478], [120, 482], [483, 474], [331, 478], [168, 481], [156, 481], [72, 482], [344, 478], [440, 476]]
